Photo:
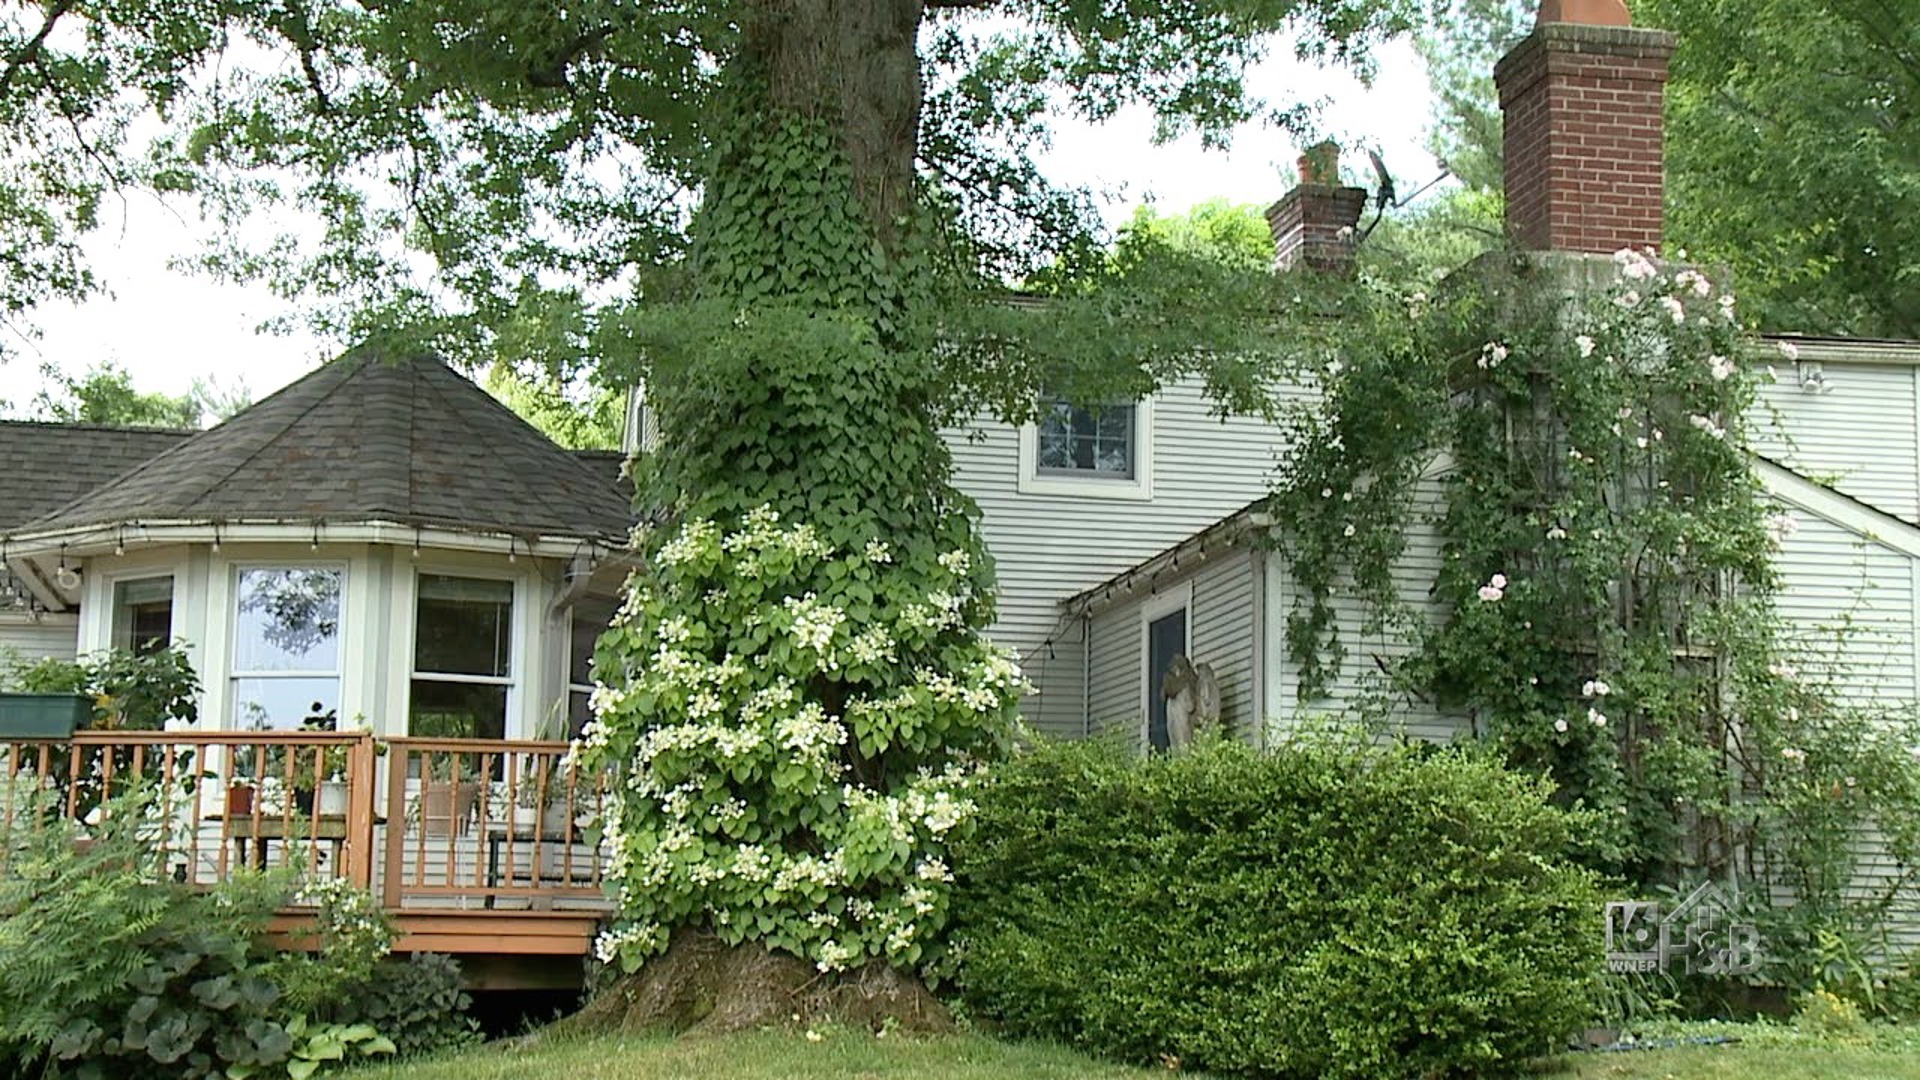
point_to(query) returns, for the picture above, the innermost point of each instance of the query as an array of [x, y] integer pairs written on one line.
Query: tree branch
[[30, 52], [554, 75]]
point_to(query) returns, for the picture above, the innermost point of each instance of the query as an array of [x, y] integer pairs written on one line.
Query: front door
[[1166, 639]]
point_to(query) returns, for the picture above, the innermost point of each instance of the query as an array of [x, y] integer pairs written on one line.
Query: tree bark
[[855, 64]]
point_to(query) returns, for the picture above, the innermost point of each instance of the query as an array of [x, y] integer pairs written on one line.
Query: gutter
[[99, 539]]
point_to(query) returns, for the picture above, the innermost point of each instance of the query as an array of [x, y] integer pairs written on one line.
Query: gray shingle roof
[[368, 438], [46, 466]]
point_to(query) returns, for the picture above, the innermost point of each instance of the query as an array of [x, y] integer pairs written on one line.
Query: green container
[[43, 716]]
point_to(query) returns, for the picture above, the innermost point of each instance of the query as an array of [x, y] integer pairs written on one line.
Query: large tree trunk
[[702, 985], [853, 63]]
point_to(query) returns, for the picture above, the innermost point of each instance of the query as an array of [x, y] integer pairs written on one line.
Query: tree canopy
[[106, 395], [1793, 146], [1794, 156], [478, 164]]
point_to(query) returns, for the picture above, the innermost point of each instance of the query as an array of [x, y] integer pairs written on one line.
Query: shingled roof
[[366, 438], [45, 466]]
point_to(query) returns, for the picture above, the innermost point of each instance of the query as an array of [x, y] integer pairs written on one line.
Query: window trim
[[515, 680], [1089, 485], [1176, 598], [230, 717], [113, 608]]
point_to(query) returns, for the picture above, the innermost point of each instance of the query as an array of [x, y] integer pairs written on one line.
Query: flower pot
[[240, 801], [446, 810], [43, 716], [333, 798]]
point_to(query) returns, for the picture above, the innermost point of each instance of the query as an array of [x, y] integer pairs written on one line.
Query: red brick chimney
[[1314, 223], [1583, 97]]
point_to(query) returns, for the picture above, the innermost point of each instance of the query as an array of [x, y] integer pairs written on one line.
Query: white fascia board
[[95, 539], [1801, 493]]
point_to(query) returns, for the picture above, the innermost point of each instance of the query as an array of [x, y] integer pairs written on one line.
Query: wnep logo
[[1699, 932]]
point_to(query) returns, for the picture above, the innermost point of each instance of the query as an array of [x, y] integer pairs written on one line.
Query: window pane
[[1075, 439], [463, 626], [448, 710], [590, 619], [143, 614], [579, 711], [285, 704], [288, 620]]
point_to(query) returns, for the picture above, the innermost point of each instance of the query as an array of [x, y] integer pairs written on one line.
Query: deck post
[[360, 781], [396, 823]]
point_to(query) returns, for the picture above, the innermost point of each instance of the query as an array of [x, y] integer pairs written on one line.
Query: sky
[[169, 327]]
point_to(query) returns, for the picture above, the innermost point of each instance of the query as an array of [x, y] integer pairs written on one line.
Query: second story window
[[1100, 451], [1079, 441]]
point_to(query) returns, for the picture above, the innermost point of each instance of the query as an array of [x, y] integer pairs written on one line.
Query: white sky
[[168, 328]]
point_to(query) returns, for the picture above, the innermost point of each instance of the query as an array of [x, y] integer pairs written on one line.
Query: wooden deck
[[481, 849]]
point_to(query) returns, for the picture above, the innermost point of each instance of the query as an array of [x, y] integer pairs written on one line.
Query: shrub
[[418, 1003], [109, 968], [1313, 912]]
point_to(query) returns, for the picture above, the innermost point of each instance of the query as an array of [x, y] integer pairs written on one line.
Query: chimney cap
[[1585, 12]]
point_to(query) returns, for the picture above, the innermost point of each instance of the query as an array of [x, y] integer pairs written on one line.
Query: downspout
[[1086, 674], [579, 576]]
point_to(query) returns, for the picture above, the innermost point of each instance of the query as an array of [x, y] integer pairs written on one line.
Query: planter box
[[43, 716]]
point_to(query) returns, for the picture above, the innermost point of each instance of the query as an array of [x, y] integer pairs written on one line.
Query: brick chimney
[[1313, 224], [1583, 97]]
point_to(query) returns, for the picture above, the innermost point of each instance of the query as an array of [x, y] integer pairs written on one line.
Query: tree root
[[703, 986]]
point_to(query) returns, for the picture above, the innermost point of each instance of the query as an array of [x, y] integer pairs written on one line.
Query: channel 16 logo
[[1699, 932]]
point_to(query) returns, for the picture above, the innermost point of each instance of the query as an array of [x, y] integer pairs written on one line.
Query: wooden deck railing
[[425, 823], [490, 821]]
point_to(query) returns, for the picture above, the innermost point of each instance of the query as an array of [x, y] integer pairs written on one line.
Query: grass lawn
[[1742, 1062], [846, 1056]]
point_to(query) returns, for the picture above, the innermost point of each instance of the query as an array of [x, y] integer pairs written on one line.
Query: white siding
[[1361, 684], [1849, 602], [1221, 619], [1047, 548], [1863, 438], [37, 637]]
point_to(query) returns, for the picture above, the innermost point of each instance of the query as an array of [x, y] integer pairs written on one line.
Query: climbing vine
[[796, 693], [1570, 442]]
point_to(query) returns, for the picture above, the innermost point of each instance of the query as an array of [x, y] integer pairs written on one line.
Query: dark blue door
[[1166, 639]]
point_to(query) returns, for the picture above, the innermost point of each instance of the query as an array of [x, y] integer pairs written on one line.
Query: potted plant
[[43, 716], [450, 793], [240, 797]]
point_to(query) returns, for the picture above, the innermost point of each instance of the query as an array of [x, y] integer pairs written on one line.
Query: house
[[1131, 537], [407, 499], [381, 540]]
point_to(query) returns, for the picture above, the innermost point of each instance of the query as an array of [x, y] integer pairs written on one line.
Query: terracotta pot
[[1585, 12], [240, 800]]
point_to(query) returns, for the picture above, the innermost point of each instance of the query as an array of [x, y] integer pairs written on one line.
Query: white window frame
[[96, 604], [1152, 609], [514, 726], [1091, 485], [231, 719], [112, 591]]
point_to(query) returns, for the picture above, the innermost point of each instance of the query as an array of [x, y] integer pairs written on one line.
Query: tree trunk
[[855, 64]]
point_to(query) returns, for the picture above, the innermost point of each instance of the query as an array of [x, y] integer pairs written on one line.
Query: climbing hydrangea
[[795, 730]]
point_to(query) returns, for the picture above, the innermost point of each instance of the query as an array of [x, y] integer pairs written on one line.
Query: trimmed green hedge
[[1319, 911]]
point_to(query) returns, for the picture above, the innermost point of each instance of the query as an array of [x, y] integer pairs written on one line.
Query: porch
[[480, 848]]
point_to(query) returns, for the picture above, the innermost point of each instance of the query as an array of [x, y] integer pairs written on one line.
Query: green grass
[[1772, 1053], [765, 1056]]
